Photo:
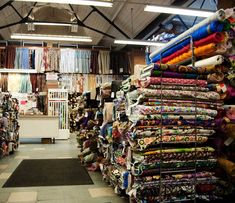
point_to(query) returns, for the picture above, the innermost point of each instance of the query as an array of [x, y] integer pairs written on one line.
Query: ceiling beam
[[6, 4], [88, 15], [16, 11], [110, 22], [23, 20], [80, 23]]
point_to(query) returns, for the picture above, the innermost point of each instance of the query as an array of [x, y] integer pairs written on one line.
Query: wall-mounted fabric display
[[65, 60]]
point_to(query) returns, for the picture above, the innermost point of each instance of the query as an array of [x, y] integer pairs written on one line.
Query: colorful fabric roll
[[177, 117], [145, 110], [159, 101], [148, 131], [168, 74], [192, 104], [141, 166], [180, 122], [183, 69], [179, 87], [178, 94], [176, 81], [228, 166], [208, 62], [146, 142]]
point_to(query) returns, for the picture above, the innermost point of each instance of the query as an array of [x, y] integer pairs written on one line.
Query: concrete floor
[[100, 192]]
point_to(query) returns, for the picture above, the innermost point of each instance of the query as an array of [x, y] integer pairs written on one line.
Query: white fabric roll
[[219, 15], [212, 61]]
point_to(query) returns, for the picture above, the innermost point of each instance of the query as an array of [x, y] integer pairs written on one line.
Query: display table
[[39, 126]]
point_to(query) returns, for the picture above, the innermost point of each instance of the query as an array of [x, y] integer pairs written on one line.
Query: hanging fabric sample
[[10, 56], [67, 61], [22, 58], [104, 62], [2, 58], [94, 65], [38, 60]]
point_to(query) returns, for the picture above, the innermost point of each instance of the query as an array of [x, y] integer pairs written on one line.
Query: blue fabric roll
[[147, 59], [204, 31]]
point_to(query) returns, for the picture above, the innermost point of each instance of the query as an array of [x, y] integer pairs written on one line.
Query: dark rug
[[49, 172]]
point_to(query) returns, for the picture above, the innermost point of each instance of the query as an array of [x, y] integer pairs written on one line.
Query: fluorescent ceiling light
[[51, 37], [77, 2], [178, 11], [51, 24], [6, 70], [139, 42]]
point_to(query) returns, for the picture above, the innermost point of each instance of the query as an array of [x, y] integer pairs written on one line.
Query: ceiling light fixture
[[51, 37], [178, 11], [50, 24], [139, 42], [76, 2]]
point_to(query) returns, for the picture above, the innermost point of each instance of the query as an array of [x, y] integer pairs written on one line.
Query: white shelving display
[[58, 106]]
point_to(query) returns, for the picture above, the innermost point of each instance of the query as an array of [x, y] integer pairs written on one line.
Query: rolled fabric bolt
[[215, 78], [230, 130], [212, 61], [157, 80], [228, 166]]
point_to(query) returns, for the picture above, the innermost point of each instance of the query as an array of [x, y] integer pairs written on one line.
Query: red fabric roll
[[213, 38]]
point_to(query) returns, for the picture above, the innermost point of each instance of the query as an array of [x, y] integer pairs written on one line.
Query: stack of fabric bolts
[[177, 108], [114, 147], [172, 120]]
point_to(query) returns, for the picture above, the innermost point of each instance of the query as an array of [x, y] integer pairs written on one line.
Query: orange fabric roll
[[228, 166], [198, 51]]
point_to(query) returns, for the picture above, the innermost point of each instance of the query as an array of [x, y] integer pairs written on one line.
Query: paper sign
[[51, 76], [23, 102]]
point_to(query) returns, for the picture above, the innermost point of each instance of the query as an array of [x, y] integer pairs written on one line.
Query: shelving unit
[[58, 106]]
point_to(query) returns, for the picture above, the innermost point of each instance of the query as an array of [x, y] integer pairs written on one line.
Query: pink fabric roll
[[176, 81]]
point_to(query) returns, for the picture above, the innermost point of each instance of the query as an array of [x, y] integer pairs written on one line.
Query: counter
[[39, 126]]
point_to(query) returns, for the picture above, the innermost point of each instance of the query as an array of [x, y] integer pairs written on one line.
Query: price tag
[[121, 70], [112, 95], [111, 71], [37, 89]]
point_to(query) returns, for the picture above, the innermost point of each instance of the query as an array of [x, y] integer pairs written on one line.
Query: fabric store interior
[[117, 101]]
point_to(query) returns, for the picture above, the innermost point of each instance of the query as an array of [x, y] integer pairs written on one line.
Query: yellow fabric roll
[[198, 51]]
